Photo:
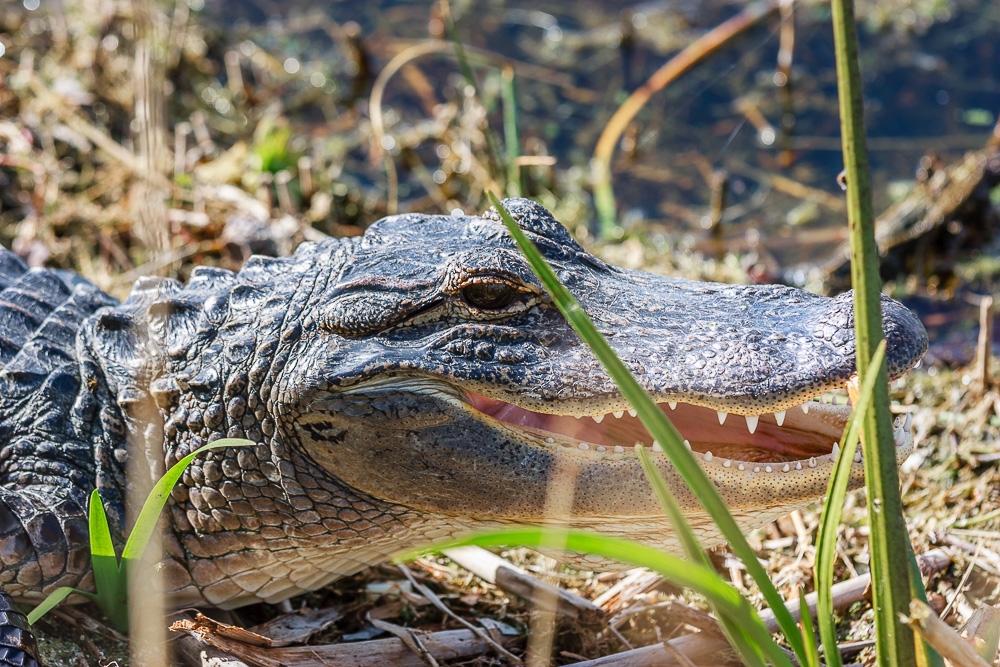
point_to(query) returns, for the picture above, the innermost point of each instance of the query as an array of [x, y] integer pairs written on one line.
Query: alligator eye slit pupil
[[488, 296]]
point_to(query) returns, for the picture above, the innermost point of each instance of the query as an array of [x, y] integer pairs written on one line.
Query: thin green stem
[[891, 586]]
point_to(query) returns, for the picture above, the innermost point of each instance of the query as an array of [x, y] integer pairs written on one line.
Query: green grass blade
[[493, 155], [659, 427], [890, 582], [808, 633], [109, 579], [676, 570], [151, 509], [673, 511], [926, 655], [512, 141], [54, 598], [826, 541], [688, 540]]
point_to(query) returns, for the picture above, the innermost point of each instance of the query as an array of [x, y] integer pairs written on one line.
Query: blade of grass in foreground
[[658, 426], [826, 541], [110, 576], [151, 509], [689, 541], [110, 585], [887, 542], [808, 634], [694, 576], [511, 140]]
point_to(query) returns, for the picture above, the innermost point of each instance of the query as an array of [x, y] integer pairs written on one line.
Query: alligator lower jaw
[[792, 439]]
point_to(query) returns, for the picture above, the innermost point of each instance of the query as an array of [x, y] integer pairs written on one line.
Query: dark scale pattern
[[17, 643], [47, 441], [345, 365]]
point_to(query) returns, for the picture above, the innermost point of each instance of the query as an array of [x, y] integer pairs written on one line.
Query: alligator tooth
[[908, 422], [752, 422], [798, 465], [835, 451], [632, 412], [786, 468], [805, 407], [768, 469], [619, 449], [602, 448], [857, 456], [687, 443], [708, 456], [741, 467], [618, 414], [722, 417], [727, 463], [672, 404], [756, 468], [657, 447], [550, 441], [584, 446], [812, 461], [779, 417], [598, 418]]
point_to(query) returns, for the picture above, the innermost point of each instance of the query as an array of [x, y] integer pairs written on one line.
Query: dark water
[[932, 83]]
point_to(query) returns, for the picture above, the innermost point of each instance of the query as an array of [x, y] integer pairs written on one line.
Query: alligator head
[[439, 375]]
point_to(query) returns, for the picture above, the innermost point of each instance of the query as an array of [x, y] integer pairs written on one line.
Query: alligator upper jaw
[[801, 434]]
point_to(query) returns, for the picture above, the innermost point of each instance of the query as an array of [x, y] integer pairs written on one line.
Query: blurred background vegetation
[[144, 137]]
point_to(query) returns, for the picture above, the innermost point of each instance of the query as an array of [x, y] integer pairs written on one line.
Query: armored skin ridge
[[401, 387]]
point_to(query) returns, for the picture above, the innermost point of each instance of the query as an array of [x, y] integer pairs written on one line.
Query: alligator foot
[[17, 642]]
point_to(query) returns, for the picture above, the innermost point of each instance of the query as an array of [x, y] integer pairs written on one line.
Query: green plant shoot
[[110, 575]]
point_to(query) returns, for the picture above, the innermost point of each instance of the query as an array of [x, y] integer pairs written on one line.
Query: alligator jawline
[[801, 436]]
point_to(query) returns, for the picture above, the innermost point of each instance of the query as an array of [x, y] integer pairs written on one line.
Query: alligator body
[[402, 387]]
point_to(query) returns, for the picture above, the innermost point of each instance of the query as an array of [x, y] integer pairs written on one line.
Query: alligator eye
[[489, 296]]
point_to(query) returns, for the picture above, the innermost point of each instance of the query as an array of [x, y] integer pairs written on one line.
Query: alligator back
[[41, 403]]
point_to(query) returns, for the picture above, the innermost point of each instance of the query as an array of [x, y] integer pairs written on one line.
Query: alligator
[[400, 388]]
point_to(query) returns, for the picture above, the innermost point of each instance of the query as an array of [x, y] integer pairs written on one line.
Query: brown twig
[[945, 641], [669, 72], [436, 601]]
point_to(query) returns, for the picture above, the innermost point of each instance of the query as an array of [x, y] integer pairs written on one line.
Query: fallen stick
[[444, 645], [513, 580], [854, 590], [946, 641]]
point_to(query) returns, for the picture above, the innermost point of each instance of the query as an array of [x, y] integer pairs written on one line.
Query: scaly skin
[[401, 388]]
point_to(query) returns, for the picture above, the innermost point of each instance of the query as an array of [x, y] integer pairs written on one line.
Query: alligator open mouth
[[796, 436]]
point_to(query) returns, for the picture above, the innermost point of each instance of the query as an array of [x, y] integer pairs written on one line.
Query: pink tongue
[[507, 412], [611, 432]]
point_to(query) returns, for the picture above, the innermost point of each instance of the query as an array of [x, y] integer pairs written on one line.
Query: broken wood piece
[[854, 590], [298, 627], [943, 639], [444, 645], [515, 581], [957, 192], [624, 592], [409, 637], [700, 648], [982, 632]]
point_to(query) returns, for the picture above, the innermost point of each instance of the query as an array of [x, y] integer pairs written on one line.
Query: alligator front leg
[[43, 545], [17, 643]]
